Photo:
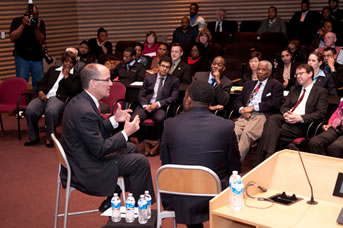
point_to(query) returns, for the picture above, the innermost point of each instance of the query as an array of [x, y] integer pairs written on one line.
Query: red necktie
[[254, 92], [299, 100]]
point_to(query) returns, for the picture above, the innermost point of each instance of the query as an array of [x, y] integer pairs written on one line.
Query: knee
[[314, 142], [51, 113], [143, 162], [334, 147]]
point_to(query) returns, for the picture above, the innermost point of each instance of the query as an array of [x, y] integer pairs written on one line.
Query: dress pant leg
[[319, 143], [136, 169], [336, 148], [239, 127], [37, 72], [53, 110], [158, 117], [143, 115], [33, 112], [289, 132], [270, 137]]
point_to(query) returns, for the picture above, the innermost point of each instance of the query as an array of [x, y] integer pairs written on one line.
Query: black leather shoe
[[49, 145], [30, 143], [105, 205]]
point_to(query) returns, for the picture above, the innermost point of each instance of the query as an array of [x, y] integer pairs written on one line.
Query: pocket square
[[268, 94]]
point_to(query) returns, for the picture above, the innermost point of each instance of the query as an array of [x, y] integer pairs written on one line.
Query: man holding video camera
[[28, 34]]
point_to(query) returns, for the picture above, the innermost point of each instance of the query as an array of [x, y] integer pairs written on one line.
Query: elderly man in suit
[[257, 101], [305, 103], [221, 84], [198, 137], [95, 157], [158, 91], [57, 85], [179, 69], [221, 25]]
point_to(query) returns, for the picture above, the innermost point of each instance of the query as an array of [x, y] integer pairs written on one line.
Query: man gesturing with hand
[[95, 157]]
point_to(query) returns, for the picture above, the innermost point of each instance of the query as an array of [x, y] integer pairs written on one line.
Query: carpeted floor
[[28, 184]]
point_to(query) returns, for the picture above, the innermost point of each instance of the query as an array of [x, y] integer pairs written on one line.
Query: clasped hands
[[124, 116], [292, 118], [151, 107], [246, 111]]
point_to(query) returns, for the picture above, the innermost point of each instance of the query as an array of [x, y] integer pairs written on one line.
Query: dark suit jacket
[[278, 26], [183, 73], [67, 88], [170, 90], [316, 105], [86, 140], [222, 90], [327, 83], [227, 26], [198, 137], [337, 76], [278, 75], [135, 73], [269, 104]]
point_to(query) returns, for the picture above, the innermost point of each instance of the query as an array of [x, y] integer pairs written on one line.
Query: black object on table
[[122, 224]]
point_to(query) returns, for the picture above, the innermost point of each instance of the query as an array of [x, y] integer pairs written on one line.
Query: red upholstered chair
[[13, 94], [117, 94]]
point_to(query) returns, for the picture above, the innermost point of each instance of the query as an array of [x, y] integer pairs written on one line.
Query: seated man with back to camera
[[198, 137], [221, 84], [58, 84], [96, 158]]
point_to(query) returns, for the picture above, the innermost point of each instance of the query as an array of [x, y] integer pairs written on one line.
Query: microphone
[[293, 147]]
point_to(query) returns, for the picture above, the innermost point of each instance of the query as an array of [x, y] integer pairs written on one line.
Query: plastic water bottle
[[130, 209], [142, 210], [115, 202], [237, 187], [148, 202]]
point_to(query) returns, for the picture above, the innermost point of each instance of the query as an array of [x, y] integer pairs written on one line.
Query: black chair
[[249, 26]]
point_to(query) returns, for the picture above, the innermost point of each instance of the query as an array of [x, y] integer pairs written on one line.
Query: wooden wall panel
[[69, 22]]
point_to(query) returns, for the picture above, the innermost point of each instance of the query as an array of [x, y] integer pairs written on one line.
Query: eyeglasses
[[300, 73], [164, 66], [102, 80]]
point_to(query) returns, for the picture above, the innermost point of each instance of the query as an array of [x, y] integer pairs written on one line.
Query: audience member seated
[[304, 103], [318, 40], [330, 141], [205, 38], [84, 53], [163, 50], [334, 68], [139, 58], [304, 24], [285, 72], [158, 91], [185, 33], [320, 78], [221, 84], [258, 100], [196, 20], [197, 59], [273, 23], [197, 137], [179, 69], [300, 54], [100, 46], [111, 62], [78, 66], [150, 44], [57, 85], [251, 69], [128, 70], [330, 41], [326, 15], [95, 157], [221, 25], [336, 12]]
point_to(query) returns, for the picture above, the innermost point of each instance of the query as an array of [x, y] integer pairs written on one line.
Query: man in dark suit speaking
[[198, 137], [95, 157]]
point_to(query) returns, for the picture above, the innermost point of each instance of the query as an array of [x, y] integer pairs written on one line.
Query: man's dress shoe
[[30, 143]]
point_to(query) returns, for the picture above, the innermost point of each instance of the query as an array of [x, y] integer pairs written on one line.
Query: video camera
[[32, 19]]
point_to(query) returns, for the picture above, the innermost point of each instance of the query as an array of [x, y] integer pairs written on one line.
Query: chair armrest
[[311, 129], [319, 127]]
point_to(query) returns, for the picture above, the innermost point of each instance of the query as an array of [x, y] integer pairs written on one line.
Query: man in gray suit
[[198, 137], [221, 84], [95, 157]]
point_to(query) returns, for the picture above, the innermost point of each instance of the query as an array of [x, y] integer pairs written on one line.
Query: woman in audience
[[198, 60], [321, 78], [250, 72], [204, 37], [285, 71], [150, 44], [163, 50]]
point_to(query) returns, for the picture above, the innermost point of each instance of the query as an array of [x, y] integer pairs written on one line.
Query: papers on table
[[136, 83], [236, 88]]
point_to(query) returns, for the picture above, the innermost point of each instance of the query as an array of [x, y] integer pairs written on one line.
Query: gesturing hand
[[131, 127], [122, 115]]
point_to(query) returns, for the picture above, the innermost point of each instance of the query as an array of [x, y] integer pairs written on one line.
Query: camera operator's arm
[[38, 33], [15, 34]]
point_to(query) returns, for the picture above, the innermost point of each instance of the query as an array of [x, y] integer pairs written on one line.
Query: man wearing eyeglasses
[[305, 103], [158, 91], [221, 84], [96, 158]]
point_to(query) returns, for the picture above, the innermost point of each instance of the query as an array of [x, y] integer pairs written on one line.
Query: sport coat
[[183, 73], [328, 83], [136, 72], [316, 105], [227, 26], [86, 140], [278, 26], [222, 91], [271, 100], [198, 137], [170, 90]]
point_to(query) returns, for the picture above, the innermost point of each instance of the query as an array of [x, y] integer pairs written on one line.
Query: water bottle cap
[[235, 172], [130, 194], [115, 194], [142, 196], [146, 192]]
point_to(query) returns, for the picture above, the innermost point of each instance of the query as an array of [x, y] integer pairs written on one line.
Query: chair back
[[117, 93], [62, 157], [188, 180], [11, 89]]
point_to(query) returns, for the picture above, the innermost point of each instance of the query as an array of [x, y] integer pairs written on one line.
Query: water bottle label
[[142, 205], [237, 187], [148, 202], [130, 205], [116, 205]]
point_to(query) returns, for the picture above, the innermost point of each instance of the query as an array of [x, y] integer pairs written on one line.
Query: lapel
[[310, 100], [266, 89]]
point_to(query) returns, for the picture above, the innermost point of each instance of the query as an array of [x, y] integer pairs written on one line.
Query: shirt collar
[[159, 77], [61, 67], [176, 62], [94, 99], [131, 63], [320, 74], [308, 88]]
